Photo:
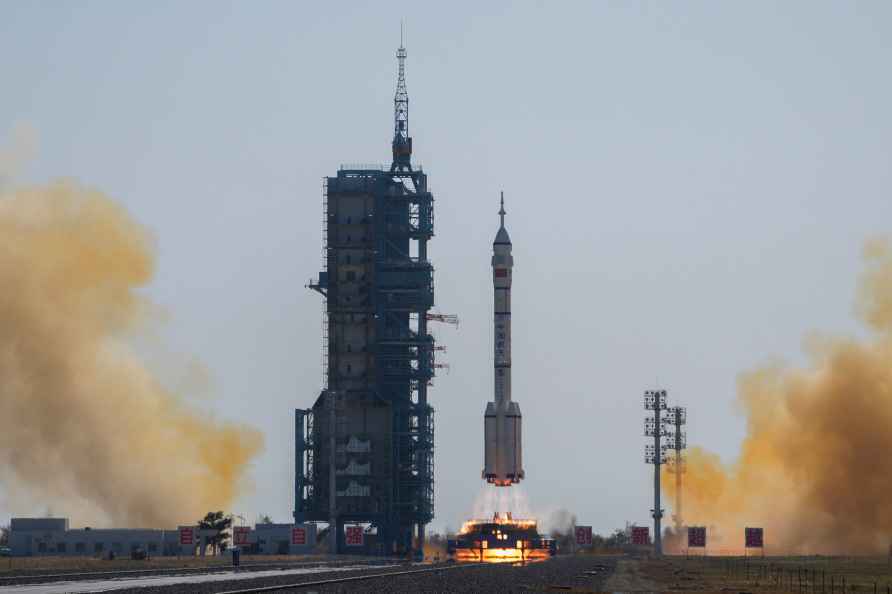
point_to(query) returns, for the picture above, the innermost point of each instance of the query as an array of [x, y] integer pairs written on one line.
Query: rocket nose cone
[[502, 237]]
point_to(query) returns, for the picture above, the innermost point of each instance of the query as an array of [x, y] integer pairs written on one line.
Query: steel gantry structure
[[364, 451]]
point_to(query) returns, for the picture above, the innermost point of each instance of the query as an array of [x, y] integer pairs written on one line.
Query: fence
[[821, 576]]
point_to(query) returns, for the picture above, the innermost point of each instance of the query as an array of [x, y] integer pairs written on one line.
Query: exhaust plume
[[84, 426], [815, 468], [492, 499]]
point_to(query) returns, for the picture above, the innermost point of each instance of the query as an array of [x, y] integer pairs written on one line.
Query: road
[[177, 582]]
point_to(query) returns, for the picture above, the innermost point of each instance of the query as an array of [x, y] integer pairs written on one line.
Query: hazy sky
[[688, 187]]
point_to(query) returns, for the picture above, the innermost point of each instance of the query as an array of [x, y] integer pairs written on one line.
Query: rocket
[[502, 447]]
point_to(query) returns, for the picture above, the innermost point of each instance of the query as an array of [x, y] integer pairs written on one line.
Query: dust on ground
[[629, 577]]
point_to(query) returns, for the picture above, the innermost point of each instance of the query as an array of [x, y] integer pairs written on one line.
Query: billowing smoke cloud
[[21, 150], [85, 429], [558, 522], [815, 469]]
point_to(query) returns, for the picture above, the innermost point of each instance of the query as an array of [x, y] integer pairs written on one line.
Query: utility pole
[[678, 440], [655, 454]]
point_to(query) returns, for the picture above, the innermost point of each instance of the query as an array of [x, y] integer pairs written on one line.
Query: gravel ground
[[580, 574]]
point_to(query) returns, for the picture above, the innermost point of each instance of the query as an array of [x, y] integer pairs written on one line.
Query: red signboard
[[697, 536], [240, 535], [754, 538], [187, 536], [298, 535], [584, 536], [640, 535], [353, 537]]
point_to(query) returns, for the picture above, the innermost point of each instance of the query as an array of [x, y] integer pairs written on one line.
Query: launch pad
[[501, 539]]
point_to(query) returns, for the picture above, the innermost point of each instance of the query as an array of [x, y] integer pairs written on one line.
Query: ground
[[568, 573], [770, 574], [27, 565]]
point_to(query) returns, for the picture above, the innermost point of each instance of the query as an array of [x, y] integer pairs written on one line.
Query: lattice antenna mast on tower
[[656, 454], [678, 440], [402, 142]]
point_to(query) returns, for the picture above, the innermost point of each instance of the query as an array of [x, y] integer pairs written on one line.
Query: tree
[[4, 536], [618, 539], [219, 522], [264, 519]]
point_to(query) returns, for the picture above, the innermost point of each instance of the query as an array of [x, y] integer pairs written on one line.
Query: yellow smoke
[[85, 429], [815, 469]]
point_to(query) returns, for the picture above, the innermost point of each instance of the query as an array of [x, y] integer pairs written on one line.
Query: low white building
[[52, 537]]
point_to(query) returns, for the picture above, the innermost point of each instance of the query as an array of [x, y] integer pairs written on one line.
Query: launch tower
[[364, 451]]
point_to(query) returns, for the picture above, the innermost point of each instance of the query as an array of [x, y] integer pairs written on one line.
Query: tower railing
[[361, 167]]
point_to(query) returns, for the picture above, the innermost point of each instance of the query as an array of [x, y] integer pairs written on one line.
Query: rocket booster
[[502, 455]]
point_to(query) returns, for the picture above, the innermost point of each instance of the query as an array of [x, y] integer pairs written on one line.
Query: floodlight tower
[[678, 441], [655, 454]]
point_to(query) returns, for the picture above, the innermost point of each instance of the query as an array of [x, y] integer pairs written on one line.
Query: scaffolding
[[378, 356], [372, 463]]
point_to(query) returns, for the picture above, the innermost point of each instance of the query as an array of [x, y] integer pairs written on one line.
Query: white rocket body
[[503, 454]]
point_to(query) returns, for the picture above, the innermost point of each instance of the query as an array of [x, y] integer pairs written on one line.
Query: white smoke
[[493, 499]]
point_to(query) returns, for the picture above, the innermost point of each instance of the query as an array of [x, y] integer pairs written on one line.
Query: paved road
[[180, 582]]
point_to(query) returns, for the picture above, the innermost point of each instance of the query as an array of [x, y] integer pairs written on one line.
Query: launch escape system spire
[[364, 451]]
